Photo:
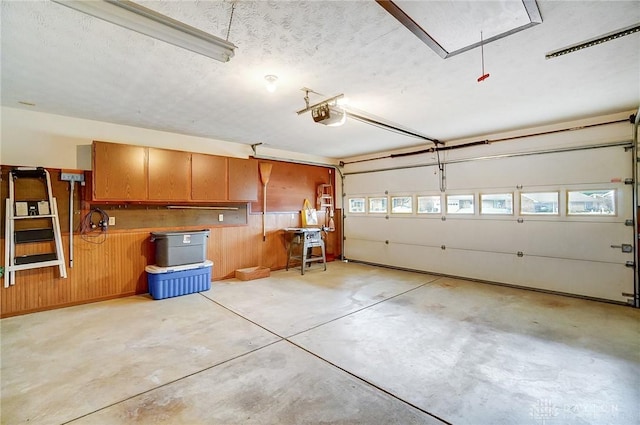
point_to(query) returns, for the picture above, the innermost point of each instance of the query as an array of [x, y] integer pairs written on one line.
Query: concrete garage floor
[[353, 345]]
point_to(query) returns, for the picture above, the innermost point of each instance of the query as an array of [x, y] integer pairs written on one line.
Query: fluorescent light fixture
[[149, 22], [594, 41]]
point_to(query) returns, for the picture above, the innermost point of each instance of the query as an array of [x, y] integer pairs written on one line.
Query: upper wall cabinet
[[169, 175], [119, 172], [139, 174], [208, 177], [243, 179]]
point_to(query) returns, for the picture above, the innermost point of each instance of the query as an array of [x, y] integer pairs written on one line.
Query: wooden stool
[[305, 239]]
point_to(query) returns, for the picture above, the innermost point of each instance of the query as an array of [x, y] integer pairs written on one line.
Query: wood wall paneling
[[111, 269], [115, 267], [120, 172], [290, 184], [209, 179], [169, 175]]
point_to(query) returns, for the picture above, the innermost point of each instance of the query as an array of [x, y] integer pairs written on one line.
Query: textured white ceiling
[[72, 64]]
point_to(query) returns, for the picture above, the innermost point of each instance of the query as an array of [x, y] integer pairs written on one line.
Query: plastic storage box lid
[[177, 233], [153, 269]]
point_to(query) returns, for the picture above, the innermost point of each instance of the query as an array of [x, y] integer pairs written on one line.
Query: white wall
[[32, 138]]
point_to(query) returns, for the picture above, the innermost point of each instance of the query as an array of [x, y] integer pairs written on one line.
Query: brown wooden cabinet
[[169, 175], [243, 179], [119, 172], [208, 177], [139, 174]]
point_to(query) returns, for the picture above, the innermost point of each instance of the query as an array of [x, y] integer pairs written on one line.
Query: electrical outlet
[[112, 221], [220, 217]]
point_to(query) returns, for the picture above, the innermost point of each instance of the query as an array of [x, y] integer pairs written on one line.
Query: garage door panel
[[428, 232], [408, 180], [576, 167], [585, 278], [496, 236], [366, 227], [586, 241], [368, 251]]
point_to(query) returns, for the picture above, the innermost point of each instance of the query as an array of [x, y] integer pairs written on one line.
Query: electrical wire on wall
[[94, 231]]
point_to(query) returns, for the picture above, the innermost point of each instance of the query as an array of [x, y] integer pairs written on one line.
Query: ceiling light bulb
[[271, 83]]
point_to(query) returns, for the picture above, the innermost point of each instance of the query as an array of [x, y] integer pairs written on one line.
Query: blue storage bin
[[165, 282]]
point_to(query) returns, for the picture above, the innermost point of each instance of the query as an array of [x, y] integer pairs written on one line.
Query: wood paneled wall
[[289, 185], [115, 268]]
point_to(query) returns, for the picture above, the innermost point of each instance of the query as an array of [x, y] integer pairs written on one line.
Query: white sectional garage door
[[552, 221]]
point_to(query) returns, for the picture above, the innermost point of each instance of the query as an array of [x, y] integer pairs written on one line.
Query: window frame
[[615, 203], [364, 205], [539, 214], [473, 200], [496, 213], [371, 198], [428, 212], [410, 197]]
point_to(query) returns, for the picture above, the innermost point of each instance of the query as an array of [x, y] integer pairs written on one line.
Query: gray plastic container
[[178, 248]]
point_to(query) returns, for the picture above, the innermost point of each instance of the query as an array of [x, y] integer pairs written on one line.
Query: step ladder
[[324, 199], [324, 202], [31, 218]]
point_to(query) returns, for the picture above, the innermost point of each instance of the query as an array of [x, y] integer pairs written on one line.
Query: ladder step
[[36, 258], [27, 217], [17, 268], [37, 173], [34, 235]]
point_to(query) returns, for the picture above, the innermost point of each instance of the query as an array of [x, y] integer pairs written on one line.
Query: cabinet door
[[208, 177], [119, 172], [169, 175], [243, 179]]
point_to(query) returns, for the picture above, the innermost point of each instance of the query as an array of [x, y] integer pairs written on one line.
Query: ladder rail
[[58, 238], [8, 256]]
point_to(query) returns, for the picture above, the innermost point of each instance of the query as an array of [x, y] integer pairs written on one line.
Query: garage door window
[[402, 204], [429, 204], [496, 203], [539, 203], [460, 204], [356, 205], [378, 205], [591, 202]]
